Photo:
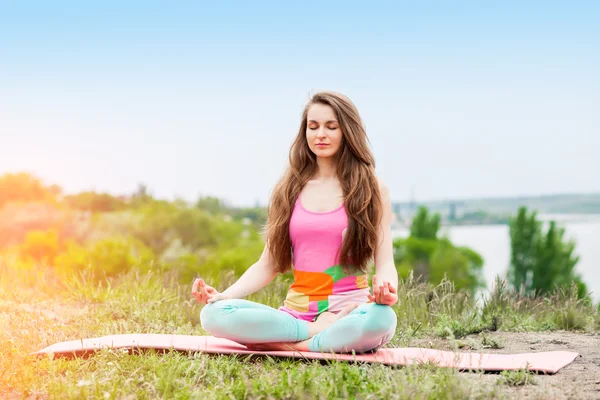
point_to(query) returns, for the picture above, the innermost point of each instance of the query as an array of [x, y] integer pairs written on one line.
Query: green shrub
[[106, 257], [18, 219], [231, 259], [520, 377], [159, 224], [433, 260], [41, 246], [23, 187], [95, 202]]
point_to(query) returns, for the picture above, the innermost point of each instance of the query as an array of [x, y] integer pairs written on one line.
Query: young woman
[[329, 217]]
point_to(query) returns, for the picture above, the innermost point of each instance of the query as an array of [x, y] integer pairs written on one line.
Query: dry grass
[[38, 309]]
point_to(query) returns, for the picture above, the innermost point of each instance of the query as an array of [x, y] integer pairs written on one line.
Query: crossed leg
[[360, 329]]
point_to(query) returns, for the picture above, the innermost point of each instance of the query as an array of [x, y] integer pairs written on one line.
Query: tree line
[[103, 232]]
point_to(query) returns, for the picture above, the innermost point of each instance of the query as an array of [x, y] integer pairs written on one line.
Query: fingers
[[198, 297], [204, 293], [201, 291], [383, 293], [380, 292], [195, 292], [375, 288], [216, 297], [386, 290], [211, 290], [391, 288]]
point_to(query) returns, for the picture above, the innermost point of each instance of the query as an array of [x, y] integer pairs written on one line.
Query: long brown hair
[[356, 173]]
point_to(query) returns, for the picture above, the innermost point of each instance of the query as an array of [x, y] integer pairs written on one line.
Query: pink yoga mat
[[546, 362]]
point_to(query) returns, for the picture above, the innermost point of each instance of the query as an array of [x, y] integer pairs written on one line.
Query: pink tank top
[[319, 283]]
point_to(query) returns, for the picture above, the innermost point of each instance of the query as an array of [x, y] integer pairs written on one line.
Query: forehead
[[321, 113]]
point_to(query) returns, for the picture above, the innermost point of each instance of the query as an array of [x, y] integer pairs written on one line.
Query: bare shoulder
[[386, 203], [383, 189]]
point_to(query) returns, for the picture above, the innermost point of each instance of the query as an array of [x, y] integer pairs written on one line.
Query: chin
[[324, 153]]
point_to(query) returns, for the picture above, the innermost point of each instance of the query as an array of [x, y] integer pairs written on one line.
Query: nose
[[321, 133]]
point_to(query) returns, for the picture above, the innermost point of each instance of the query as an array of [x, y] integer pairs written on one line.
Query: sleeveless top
[[319, 282]]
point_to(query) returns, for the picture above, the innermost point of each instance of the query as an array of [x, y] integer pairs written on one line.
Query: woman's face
[[323, 132]]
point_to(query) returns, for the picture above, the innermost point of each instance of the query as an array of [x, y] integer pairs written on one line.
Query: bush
[[106, 257], [218, 266], [461, 265], [431, 260], [541, 260], [159, 224], [95, 202], [17, 219], [41, 246], [237, 260], [23, 187]]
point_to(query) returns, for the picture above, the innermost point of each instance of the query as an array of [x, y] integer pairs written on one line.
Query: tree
[[211, 204], [42, 246], [23, 187], [423, 230], [541, 261], [425, 226], [95, 202], [462, 265], [524, 231], [141, 195], [440, 258], [432, 258]]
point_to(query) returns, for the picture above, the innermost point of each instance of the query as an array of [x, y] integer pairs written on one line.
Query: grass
[[174, 375], [38, 309], [490, 343], [519, 377]]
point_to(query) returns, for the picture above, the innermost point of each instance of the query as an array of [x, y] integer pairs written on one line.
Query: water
[[493, 243]]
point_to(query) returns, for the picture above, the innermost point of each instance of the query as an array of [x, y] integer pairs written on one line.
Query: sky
[[460, 99]]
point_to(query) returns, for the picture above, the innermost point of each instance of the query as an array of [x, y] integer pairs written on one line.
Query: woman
[[329, 217]]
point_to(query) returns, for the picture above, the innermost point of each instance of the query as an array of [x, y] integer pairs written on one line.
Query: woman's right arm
[[259, 275]]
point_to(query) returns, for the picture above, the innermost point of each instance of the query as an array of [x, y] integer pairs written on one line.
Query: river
[[492, 242]]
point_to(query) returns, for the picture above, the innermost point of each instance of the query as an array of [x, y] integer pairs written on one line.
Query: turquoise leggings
[[365, 329]]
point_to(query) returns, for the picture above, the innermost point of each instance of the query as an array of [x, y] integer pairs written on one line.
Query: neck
[[326, 168]]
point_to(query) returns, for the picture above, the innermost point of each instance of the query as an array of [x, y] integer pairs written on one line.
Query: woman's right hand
[[204, 293]]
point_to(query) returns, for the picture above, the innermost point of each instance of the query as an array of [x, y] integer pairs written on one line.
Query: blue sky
[[460, 99]]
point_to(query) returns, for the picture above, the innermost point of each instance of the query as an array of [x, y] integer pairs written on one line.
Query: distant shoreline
[[522, 198], [560, 218], [497, 211]]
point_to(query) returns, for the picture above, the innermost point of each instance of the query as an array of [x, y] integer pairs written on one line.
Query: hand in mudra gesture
[[204, 293], [383, 293]]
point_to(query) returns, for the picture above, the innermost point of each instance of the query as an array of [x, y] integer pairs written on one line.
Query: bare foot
[[324, 320], [283, 346], [328, 318]]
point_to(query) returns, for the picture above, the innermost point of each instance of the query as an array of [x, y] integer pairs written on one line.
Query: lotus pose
[[329, 218]]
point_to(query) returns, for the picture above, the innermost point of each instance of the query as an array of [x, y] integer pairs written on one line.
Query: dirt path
[[579, 380]]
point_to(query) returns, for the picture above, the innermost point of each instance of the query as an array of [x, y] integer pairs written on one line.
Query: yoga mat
[[548, 362]]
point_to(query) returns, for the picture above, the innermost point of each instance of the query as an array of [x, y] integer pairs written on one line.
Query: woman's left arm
[[385, 281]]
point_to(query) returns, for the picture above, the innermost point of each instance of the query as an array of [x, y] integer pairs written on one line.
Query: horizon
[[202, 100], [228, 201]]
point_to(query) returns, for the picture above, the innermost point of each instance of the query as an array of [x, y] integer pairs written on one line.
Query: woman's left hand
[[384, 294]]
